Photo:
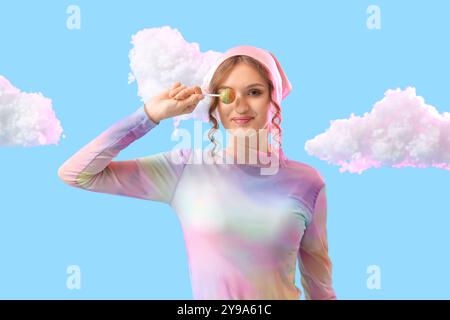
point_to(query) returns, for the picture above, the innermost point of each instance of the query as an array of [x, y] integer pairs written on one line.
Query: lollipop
[[226, 95]]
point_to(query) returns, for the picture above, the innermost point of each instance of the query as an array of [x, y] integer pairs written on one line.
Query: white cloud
[[160, 57], [26, 119], [400, 131]]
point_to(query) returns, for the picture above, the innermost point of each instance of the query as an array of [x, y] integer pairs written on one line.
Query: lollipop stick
[[211, 94], [226, 96]]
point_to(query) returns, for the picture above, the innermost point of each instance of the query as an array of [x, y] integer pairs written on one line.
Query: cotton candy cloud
[[26, 119], [160, 57], [400, 131]]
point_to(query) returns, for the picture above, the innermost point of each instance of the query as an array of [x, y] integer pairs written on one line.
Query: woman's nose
[[240, 104]]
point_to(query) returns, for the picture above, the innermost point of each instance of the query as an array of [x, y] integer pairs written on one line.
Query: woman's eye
[[256, 91]]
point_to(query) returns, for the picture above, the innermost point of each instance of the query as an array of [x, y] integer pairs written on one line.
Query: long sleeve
[[315, 264], [152, 178]]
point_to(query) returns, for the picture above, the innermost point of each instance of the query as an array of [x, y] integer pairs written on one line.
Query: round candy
[[227, 95]]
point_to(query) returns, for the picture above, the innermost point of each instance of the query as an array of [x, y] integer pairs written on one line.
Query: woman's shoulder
[[304, 171]]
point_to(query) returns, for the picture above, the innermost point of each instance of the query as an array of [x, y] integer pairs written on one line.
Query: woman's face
[[252, 99]]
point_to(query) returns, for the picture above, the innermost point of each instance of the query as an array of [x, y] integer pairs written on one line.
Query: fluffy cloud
[[26, 119], [160, 57], [400, 131]]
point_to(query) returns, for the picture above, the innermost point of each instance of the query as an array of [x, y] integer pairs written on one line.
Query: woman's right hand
[[173, 102]]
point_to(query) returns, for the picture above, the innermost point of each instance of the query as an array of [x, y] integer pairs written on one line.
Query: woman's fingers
[[181, 92], [176, 89], [186, 92], [190, 103], [176, 84], [198, 90]]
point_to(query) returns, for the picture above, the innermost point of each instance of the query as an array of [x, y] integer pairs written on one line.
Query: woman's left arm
[[315, 264]]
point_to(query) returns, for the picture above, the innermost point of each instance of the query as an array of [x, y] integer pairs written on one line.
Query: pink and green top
[[244, 231]]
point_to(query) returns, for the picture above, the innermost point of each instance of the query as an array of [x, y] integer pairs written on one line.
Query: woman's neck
[[245, 152]]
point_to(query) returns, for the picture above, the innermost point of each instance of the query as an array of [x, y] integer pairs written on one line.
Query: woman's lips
[[241, 121]]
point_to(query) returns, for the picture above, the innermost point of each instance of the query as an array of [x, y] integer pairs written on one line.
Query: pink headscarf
[[281, 83]]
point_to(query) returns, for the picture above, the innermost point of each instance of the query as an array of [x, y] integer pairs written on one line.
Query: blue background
[[127, 248]]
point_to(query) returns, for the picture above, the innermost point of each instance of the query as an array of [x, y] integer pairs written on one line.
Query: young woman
[[243, 230]]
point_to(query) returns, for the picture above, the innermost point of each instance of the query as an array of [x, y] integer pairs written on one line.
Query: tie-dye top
[[244, 231]]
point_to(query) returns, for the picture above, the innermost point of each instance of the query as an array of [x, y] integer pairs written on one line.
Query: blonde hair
[[221, 73]]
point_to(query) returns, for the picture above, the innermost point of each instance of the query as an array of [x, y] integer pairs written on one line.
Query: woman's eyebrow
[[249, 86]]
